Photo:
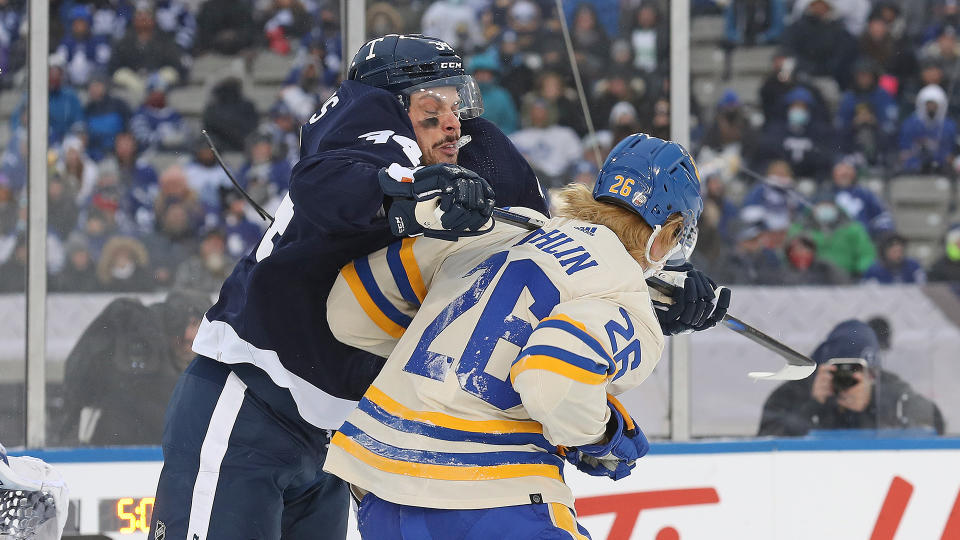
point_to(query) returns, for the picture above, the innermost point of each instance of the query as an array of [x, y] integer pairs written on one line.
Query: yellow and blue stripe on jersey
[[437, 425], [406, 272], [446, 465], [595, 370], [368, 294]]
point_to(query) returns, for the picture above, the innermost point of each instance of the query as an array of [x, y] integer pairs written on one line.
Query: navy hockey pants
[[382, 520], [235, 469]]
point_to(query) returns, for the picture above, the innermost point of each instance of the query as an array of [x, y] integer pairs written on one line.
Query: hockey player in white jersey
[[505, 352]]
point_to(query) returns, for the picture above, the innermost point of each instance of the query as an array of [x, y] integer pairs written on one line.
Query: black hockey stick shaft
[[223, 165], [791, 355]]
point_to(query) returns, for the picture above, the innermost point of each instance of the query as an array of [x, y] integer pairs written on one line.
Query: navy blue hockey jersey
[[271, 311]]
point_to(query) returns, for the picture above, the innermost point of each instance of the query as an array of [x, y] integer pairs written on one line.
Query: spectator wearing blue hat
[[804, 140], [867, 116], [498, 105], [849, 390], [83, 53], [893, 265], [730, 139]]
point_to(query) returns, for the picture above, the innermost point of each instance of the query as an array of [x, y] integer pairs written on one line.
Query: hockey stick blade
[[799, 366]]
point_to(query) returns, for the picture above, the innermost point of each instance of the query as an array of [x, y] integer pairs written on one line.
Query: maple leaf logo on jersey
[[587, 230]]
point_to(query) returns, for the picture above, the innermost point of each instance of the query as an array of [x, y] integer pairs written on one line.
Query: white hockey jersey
[[502, 348]]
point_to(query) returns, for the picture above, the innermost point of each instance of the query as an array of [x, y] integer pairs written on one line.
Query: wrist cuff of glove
[[620, 424]]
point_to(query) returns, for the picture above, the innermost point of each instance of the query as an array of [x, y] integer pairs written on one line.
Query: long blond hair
[[577, 202]]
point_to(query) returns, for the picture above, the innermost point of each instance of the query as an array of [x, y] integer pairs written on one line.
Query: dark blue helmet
[[405, 63], [656, 179]]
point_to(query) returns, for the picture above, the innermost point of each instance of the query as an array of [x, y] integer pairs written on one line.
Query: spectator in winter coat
[[947, 267], [893, 265], [82, 53], [104, 116], [805, 141], [241, 234], [649, 37], [820, 43], [124, 266], [754, 22], [264, 167], [454, 22], [498, 105], [894, 55], [205, 176], [175, 18], [804, 268], [590, 41], [753, 261], [65, 109], [79, 274], [284, 23], [137, 178], [550, 149], [145, 51], [730, 139], [225, 27], [155, 125], [774, 197], [868, 130], [928, 137], [859, 202], [782, 79], [206, 269], [13, 272], [862, 396], [840, 240], [228, 115]]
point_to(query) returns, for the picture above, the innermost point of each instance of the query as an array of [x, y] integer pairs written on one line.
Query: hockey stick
[[798, 366], [223, 165]]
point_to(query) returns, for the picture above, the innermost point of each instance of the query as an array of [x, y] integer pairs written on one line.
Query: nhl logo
[[640, 198], [160, 532]]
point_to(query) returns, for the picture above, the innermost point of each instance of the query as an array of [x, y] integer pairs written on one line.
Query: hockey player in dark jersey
[[247, 425]]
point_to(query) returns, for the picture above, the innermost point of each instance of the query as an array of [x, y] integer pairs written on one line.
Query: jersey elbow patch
[[365, 290], [562, 362]]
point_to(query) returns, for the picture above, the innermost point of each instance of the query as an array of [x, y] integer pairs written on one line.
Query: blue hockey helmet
[[404, 64], [655, 179]]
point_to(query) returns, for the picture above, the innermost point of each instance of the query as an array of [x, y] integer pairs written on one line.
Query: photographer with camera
[[848, 391]]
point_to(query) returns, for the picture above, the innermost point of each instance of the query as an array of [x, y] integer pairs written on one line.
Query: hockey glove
[[441, 201], [617, 457], [697, 303]]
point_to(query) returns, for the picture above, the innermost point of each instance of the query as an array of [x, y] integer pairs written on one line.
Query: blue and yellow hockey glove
[[617, 457]]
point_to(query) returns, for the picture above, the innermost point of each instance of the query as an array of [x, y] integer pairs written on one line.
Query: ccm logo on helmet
[[451, 65]]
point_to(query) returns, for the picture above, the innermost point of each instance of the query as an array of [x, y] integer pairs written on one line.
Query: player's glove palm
[[617, 457], [443, 201], [697, 303]]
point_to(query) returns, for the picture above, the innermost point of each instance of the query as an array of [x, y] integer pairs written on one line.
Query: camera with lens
[[843, 377]]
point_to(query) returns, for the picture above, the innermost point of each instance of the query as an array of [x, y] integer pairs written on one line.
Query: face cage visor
[[680, 253], [457, 95]]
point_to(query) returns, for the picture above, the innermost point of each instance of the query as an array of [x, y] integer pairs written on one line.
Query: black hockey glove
[[697, 303], [440, 201]]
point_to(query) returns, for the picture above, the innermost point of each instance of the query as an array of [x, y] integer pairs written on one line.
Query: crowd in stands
[[120, 223]]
